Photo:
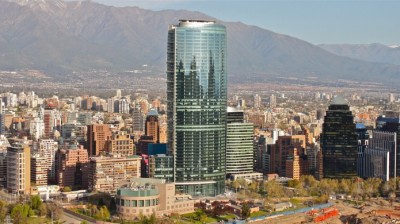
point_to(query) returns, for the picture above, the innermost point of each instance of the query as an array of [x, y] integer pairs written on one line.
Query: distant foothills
[[60, 37]]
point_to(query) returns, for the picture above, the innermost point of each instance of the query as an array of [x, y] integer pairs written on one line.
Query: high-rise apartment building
[[391, 98], [339, 141], [72, 166], [138, 120], [152, 126], [272, 101], [19, 169], [52, 122], [121, 144], [39, 170], [97, 135], [107, 174], [280, 151], [296, 164], [197, 100], [37, 129], [257, 101], [2, 120], [47, 149]]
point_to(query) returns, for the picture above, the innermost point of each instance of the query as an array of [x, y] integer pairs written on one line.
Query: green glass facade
[[239, 148], [197, 99], [339, 141]]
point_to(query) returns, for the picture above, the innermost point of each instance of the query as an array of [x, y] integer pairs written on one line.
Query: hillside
[[60, 37]]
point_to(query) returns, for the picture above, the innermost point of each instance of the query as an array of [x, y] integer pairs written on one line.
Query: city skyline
[[318, 22]]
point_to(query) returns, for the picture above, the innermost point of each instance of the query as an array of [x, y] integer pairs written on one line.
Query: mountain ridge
[[374, 52], [86, 35]]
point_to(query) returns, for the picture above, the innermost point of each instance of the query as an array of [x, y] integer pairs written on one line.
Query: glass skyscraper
[[339, 141], [239, 143], [197, 100]]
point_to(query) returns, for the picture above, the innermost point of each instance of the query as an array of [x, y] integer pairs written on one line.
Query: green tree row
[[309, 186], [21, 211]]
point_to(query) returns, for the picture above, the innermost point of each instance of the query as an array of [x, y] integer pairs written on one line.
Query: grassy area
[[259, 213], [194, 218], [38, 220], [227, 216]]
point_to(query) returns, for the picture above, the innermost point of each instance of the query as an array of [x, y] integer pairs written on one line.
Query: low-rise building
[[147, 196]]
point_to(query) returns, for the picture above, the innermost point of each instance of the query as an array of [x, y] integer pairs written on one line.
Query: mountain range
[[60, 37], [367, 52]]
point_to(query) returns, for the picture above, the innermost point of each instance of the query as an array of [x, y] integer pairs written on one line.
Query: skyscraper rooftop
[[339, 100]]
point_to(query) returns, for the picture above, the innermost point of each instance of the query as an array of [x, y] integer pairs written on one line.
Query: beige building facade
[[149, 196]]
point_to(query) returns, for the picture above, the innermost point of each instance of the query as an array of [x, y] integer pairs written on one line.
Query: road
[[70, 219]]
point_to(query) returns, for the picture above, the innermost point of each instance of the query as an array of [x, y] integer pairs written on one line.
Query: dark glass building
[[197, 100], [362, 144], [339, 141], [391, 124]]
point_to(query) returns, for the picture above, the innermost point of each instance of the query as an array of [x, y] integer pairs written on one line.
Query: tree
[[245, 211], [253, 186], [147, 220], [235, 184], [35, 202], [42, 209], [102, 213], [294, 183], [3, 211], [20, 213], [274, 189], [66, 189], [54, 211]]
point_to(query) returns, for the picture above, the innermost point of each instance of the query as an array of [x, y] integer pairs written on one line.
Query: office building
[[362, 144], [379, 158], [339, 141], [3, 168], [19, 169], [390, 122], [197, 101], [239, 143], [152, 126], [161, 166]]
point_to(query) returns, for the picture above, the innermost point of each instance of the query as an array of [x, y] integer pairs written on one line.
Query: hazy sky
[[318, 21]]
